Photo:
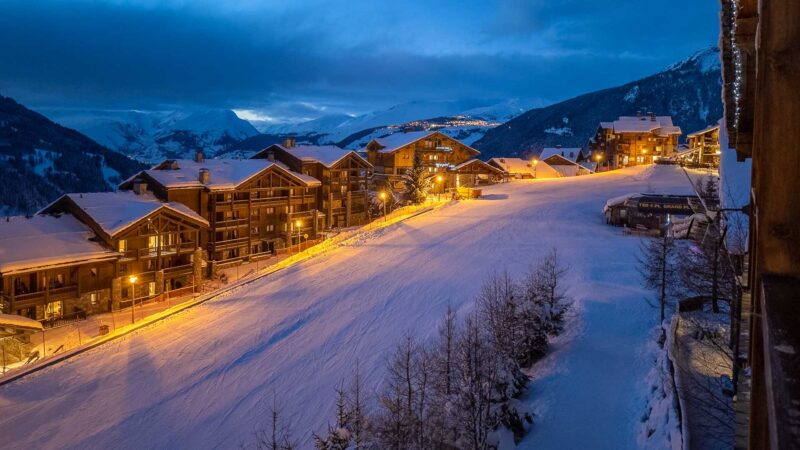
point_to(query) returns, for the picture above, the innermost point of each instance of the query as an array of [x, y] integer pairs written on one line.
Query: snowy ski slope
[[203, 378]]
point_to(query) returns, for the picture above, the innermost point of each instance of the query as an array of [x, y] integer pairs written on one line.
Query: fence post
[[44, 346]]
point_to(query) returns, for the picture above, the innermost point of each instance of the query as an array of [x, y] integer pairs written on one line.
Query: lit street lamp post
[[534, 162], [299, 224], [383, 199], [132, 280], [439, 180]]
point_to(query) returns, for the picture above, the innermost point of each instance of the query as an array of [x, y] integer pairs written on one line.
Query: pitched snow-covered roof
[[15, 322], [607, 125], [568, 153], [46, 241], [478, 162], [704, 130], [327, 155], [661, 125], [514, 165], [116, 211], [395, 141], [223, 173]]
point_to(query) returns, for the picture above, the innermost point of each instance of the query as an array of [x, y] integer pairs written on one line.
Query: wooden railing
[[780, 336]]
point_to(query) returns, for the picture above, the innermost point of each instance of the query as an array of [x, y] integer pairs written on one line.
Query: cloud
[[306, 58]]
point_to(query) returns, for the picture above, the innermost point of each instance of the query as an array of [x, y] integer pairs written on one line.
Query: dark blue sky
[[304, 58]]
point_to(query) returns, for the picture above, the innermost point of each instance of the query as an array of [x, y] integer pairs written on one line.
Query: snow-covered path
[[203, 378]]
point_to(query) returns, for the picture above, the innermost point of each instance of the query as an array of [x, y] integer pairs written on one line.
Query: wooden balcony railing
[[780, 334]]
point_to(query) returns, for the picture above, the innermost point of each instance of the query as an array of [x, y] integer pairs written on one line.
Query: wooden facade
[[160, 247], [343, 196], [395, 155], [633, 141], [474, 173], [254, 213], [702, 148], [761, 96]]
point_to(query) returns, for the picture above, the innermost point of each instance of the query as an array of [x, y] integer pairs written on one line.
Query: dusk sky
[[288, 60]]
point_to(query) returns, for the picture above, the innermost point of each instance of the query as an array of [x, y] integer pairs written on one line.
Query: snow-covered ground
[[204, 378]]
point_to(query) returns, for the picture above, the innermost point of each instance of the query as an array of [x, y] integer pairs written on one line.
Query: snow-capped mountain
[[152, 136], [687, 90], [346, 129], [41, 160]]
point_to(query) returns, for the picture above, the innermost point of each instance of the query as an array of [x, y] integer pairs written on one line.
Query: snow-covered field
[[204, 378]]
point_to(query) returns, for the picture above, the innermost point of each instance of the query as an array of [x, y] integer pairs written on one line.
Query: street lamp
[[132, 279], [298, 224], [383, 199], [439, 180], [534, 162]]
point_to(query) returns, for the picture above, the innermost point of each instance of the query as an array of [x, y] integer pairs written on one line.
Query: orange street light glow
[[132, 279], [383, 195]]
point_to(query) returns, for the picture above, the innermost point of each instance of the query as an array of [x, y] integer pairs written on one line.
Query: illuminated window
[[151, 288], [123, 245], [93, 298]]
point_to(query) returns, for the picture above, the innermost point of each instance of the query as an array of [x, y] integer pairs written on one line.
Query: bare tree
[[277, 435], [658, 269]]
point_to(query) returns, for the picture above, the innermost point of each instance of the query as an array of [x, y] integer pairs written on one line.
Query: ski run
[[206, 378]]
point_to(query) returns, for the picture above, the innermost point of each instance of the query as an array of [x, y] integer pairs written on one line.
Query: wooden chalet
[[630, 140], [761, 97], [53, 267], [157, 242], [255, 207], [393, 155], [518, 168], [343, 195], [474, 172], [702, 148], [564, 166]]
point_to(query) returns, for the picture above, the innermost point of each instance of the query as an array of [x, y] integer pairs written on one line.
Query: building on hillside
[[393, 155], [52, 267], [343, 195], [158, 243], [761, 94], [702, 148], [631, 140], [566, 167], [474, 172], [255, 207], [518, 168]]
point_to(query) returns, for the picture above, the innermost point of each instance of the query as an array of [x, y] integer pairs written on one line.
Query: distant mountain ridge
[[40, 160], [687, 90], [152, 136]]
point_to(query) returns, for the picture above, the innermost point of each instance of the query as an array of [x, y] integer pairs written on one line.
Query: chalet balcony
[[230, 243], [230, 223], [166, 250], [28, 299]]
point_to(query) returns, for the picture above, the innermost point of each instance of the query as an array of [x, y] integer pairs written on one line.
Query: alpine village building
[[631, 140], [76, 256], [255, 207], [344, 175], [702, 148], [394, 155]]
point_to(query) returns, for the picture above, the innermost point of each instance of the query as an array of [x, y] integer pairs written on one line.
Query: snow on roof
[[395, 141], [704, 130], [514, 165], [607, 125], [327, 155], [116, 211], [46, 241], [645, 124], [616, 201], [476, 161], [19, 322], [568, 153], [223, 173]]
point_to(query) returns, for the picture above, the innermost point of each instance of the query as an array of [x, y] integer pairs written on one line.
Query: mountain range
[[687, 90], [40, 160]]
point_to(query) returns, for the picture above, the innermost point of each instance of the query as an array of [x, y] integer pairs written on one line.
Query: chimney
[[653, 116], [289, 142], [199, 157], [139, 187], [271, 155], [205, 176]]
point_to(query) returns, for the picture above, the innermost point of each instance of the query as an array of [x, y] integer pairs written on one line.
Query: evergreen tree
[[417, 181]]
